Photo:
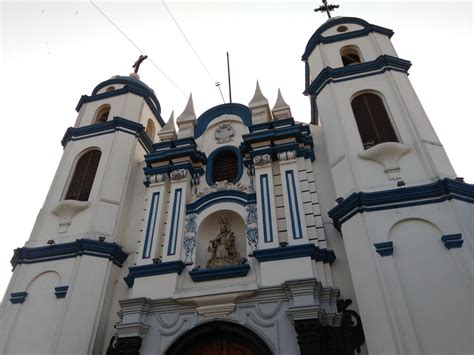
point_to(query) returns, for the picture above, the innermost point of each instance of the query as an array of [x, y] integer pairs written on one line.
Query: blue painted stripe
[[139, 271], [150, 229], [238, 197], [175, 222], [293, 204], [266, 209]]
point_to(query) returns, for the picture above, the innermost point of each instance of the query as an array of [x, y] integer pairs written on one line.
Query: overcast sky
[[52, 53]]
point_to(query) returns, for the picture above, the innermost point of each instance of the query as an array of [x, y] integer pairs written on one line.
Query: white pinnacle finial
[[168, 132], [258, 98], [281, 109], [188, 113]]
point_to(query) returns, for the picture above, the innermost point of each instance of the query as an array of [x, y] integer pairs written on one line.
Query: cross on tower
[[141, 58], [327, 8]]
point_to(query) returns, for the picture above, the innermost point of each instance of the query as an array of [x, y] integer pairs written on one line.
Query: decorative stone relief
[[261, 160], [222, 247], [388, 155], [286, 156], [156, 179], [224, 132], [195, 181], [252, 229], [221, 186], [179, 174], [251, 175], [189, 242]]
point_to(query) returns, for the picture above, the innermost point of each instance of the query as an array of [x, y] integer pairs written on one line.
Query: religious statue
[[222, 247]]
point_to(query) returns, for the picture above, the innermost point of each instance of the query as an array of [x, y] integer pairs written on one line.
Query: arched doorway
[[219, 338]]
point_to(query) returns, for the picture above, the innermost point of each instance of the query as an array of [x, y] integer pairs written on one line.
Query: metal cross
[[141, 58], [327, 8]]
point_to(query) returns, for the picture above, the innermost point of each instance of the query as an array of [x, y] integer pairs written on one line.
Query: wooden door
[[220, 345]]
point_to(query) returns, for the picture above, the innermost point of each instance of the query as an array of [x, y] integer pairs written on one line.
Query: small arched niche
[[150, 130], [221, 240], [102, 114], [350, 55]]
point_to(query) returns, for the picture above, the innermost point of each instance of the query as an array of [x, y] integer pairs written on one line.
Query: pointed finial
[[326, 8], [259, 107], [258, 97], [281, 109], [168, 132], [188, 113]]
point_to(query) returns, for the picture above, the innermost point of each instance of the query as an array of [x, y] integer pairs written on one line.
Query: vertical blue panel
[[266, 209], [174, 222], [150, 229], [293, 204]]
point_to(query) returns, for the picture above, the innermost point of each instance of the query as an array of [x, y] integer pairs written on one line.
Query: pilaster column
[[180, 189], [294, 212], [153, 221], [267, 226]]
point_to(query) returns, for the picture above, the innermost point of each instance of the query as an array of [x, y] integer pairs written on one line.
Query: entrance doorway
[[219, 338]]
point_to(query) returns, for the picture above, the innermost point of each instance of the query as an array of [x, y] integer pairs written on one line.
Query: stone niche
[[210, 228]]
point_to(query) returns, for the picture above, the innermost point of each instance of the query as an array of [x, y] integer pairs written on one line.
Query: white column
[[180, 189], [267, 226], [294, 212], [153, 219]]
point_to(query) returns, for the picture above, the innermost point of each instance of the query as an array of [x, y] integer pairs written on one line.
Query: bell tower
[[68, 269], [398, 198]]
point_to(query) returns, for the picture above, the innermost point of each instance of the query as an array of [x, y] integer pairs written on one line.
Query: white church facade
[[243, 231]]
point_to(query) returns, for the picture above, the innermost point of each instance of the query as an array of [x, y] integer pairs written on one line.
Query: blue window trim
[[452, 241], [357, 71], [96, 248], [61, 291], [293, 200], [214, 154], [207, 117], [173, 237], [318, 38], [150, 229], [384, 248], [224, 272], [295, 251], [168, 267], [442, 190], [18, 297]]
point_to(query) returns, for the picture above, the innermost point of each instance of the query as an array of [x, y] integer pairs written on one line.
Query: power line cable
[[138, 48], [217, 84]]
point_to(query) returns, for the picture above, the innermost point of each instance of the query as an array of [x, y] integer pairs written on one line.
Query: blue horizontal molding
[[384, 248], [165, 151], [110, 251], [232, 196], [442, 190], [18, 297], [225, 272], [116, 124], [133, 86], [356, 71], [318, 38], [452, 241], [295, 251], [169, 267], [61, 291], [207, 117]]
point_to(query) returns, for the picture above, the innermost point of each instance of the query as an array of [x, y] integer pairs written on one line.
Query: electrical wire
[[138, 48], [217, 84]]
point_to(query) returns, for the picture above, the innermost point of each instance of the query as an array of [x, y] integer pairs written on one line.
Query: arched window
[[225, 167], [150, 130], [350, 55], [372, 120], [83, 177], [102, 114]]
